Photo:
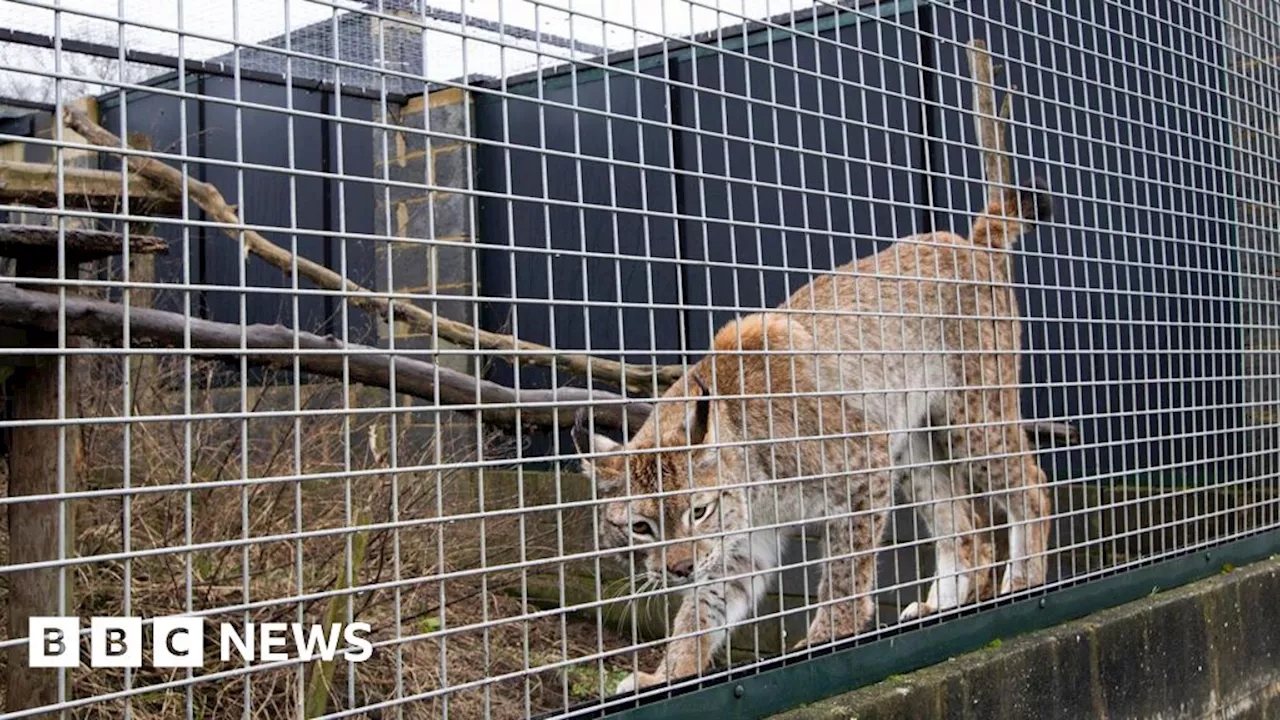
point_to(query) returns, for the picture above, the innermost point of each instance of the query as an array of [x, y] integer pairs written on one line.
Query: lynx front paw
[[638, 681]]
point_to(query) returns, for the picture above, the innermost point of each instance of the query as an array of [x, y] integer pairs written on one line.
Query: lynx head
[[683, 479], [670, 477]]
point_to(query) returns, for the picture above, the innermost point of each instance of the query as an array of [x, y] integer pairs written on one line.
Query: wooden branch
[[104, 321], [41, 241], [1049, 435], [988, 122], [25, 183], [211, 201]]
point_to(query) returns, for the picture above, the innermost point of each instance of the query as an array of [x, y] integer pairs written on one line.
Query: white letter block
[[177, 642], [115, 642], [53, 642]]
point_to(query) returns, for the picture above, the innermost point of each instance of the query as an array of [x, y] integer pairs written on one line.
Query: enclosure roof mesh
[[491, 48]]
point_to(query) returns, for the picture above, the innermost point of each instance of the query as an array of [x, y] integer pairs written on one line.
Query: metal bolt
[[1043, 602], [739, 691]]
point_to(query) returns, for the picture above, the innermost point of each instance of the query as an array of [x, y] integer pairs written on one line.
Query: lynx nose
[[682, 568]]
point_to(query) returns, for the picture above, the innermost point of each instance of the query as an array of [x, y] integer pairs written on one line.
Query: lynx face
[[687, 532]]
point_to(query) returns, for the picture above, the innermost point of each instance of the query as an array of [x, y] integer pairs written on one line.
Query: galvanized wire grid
[[696, 161]]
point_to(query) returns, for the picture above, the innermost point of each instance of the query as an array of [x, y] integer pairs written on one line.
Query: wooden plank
[[40, 243], [27, 183]]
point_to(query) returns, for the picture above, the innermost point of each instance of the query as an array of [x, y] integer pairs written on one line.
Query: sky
[[166, 27]]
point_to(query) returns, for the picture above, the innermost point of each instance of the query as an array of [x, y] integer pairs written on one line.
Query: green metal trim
[[804, 681], [564, 78]]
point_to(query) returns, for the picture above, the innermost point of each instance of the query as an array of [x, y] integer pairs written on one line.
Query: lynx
[[796, 419]]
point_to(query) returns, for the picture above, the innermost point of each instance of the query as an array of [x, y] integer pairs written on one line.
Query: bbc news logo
[[178, 642]]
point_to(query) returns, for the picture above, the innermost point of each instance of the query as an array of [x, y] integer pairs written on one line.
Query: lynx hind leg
[[1029, 511], [951, 524], [930, 486], [1003, 469], [1038, 502], [986, 578], [982, 545], [963, 554]]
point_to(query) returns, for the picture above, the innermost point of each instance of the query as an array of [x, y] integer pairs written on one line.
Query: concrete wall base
[[1210, 649]]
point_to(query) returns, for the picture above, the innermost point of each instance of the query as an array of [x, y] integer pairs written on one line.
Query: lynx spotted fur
[[796, 419]]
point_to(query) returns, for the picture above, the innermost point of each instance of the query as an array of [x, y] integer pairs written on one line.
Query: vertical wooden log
[[37, 528]]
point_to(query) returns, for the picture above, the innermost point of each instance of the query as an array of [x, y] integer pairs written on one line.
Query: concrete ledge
[[1207, 650]]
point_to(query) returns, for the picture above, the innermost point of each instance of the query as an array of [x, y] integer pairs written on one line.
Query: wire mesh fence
[[511, 358]]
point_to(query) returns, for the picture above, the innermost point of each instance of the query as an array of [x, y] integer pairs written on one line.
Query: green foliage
[[203, 565], [584, 679]]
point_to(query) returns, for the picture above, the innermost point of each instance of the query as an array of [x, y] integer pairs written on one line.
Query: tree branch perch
[[104, 321], [29, 183], [81, 245]]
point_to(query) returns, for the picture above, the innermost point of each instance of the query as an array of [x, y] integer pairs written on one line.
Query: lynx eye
[[642, 527], [701, 513]]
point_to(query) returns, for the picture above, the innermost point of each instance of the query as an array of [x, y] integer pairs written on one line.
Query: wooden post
[[36, 528], [39, 456]]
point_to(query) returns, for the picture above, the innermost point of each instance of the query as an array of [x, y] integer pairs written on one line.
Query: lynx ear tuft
[[701, 413], [581, 438]]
